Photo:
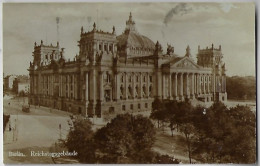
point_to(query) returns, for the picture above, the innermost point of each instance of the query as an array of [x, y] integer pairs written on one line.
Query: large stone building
[[8, 82], [21, 85], [122, 74]]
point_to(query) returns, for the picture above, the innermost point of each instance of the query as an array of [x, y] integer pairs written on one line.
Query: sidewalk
[[11, 136]]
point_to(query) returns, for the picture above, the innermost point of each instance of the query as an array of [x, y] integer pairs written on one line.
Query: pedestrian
[[10, 127]]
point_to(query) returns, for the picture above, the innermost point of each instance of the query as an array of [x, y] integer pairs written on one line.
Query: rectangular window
[[131, 107], [100, 47], [123, 107], [146, 105], [139, 105]]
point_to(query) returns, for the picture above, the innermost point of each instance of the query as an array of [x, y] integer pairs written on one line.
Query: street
[[34, 131]]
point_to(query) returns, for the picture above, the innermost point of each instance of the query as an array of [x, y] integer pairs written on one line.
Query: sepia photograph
[[129, 83]]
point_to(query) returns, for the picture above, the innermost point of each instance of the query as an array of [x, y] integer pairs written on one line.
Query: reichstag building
[[122, 73]]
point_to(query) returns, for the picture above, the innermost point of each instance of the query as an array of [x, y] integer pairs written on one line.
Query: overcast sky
[[230, 24]]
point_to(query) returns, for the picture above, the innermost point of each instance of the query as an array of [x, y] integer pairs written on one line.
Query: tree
[[218, 136], [158, 111], [124, 139], [188, 130], [241, 88], [243, 145], [80, 139], [178, 113]]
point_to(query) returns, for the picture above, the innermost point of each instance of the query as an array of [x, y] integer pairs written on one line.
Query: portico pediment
[[184, 63]]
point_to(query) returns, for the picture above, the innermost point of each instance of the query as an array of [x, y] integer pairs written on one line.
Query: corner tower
[[213, 58], [96, 43]]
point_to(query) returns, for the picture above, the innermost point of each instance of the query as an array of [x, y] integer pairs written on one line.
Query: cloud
[[180, 9]]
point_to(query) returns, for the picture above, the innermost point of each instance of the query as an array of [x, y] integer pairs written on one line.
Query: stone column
[[204, 82], [86, 89], [43, 85], [208, 85], [59, 83], [213, 84], [75, 86], [73, 81], [97, 46], [51, 84], [181, 86], [93, 88], [147, 85], [68, 85], [217, 83], [117, 84], [163, 87], [187, 86], [195, 83], [176, 86], [192, 86], [133, 85], [224, 83], [141, 86], [126, 87], [170, 85], [101, 97], [34, 84], [199, 84]]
